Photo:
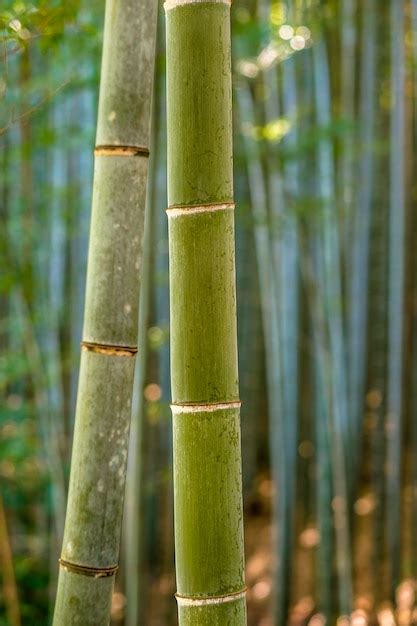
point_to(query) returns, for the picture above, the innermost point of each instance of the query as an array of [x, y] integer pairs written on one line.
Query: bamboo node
[[121, 151], [95, 572], [177, 210], [171, 4], [210, 407], [108, 349], [230, 597]]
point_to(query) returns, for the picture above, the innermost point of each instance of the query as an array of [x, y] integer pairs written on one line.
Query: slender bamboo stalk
[[310, 270], [309, 252], [271, 236], [134, 482], [204, 372], [359, 265], [270, 323], [395, 294], [347, 72], [93, 523], [289, 297], [324, 560], [413, 393], [282, 392], [329, 259], [413, 426]]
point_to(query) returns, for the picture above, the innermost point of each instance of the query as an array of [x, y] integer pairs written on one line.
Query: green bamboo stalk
[[204, 372], [95, 502]]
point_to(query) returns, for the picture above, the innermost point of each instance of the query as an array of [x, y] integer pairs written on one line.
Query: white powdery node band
[[171, 4], [204, 208], [233, 597], [204, 408]]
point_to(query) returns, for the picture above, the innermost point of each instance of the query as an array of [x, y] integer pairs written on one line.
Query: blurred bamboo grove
[[325, 120]]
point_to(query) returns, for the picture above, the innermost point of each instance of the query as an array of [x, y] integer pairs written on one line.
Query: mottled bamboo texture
[[204, 373], [90, 548]]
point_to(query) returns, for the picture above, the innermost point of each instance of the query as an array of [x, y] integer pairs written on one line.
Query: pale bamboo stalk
[[134, 519], [395, 295], [324, 437], [270, 323], [282, 189], [134, 484], [324, 559], [251, 356], [204, 373], [360, 236], [347, 109], [413, 399], [290, 281], [311, 274], [377, 349], [413, 430], [330, 261], [93, 523]]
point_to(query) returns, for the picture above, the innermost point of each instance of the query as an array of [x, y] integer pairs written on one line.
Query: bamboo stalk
[[204, 372], [413, 378], [135, 527], [270, 323], [309, 252], [324, 559], [329, 260], [134, 482], [347, 73], [289, 296], [360, 237], [284, 258], [395, 295], [93, 522], [413, 425], [324, 440]]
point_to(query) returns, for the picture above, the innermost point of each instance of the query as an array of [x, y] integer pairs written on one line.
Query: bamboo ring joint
[[230, 597], [110, 350], [180, 210], [95, 572], [204, 408], [121, 151]]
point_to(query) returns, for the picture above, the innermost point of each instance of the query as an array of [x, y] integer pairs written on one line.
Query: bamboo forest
[[208, 313]]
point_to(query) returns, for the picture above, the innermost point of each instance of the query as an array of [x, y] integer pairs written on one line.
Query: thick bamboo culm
[[90, 548], [204, 372]]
